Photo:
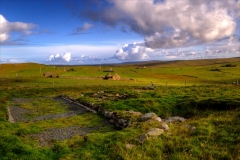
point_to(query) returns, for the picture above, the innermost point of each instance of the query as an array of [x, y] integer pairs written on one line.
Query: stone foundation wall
[[113, 117]]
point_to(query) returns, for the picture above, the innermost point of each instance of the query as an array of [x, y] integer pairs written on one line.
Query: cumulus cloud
[[135, 51], [86, 26], [171, 23], [8, 27], [66, 57], [204, 20]]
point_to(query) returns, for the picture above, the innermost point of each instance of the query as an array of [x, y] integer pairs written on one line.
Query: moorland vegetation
[[205, 92]]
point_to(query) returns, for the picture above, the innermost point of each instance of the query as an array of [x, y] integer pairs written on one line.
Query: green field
[[205, 92]]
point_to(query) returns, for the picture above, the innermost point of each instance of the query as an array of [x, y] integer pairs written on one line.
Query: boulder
[[155, 132], [148, 116]]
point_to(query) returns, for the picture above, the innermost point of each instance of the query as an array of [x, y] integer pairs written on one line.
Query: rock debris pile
[[126, 118]]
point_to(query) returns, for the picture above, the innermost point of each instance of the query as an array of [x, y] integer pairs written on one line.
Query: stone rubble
[[123, 122]]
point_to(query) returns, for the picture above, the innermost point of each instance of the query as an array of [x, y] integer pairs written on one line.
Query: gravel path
[[17, 114], [48, 136]]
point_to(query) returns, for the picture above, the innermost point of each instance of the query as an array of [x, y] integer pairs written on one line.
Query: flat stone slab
[[155, 132]]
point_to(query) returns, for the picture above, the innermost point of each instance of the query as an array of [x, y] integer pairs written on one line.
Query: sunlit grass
[[190, 89]]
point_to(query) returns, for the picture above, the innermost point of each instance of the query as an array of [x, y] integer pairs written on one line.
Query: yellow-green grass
[[209, 101], [193, 72]]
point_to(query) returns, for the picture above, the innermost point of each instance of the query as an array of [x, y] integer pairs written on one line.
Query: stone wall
[[113, 117]]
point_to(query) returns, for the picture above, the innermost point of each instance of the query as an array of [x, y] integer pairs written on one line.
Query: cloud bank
[[67, 58], [168, 23], [8, 27]]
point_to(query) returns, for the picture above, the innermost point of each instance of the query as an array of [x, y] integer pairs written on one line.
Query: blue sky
[[113, 31]]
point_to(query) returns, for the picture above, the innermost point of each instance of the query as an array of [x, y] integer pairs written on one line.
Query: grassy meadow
[[202, 91]]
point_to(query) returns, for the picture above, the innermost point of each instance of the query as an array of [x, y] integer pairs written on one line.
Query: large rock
[[148, 116], [155, 132]]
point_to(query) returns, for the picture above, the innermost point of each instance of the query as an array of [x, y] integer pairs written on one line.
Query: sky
[[115, 31]]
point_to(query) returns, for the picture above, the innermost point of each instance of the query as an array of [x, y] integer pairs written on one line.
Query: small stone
[[192, 129], [111, 121], [158, 119], [125, 124], [121, 121], [129, 146], [174, 119], [149, 116], [155, 132], [164, 126], [135, 113], [117, 125], [95, 94], [109, 114], [143, 138], [129, 124]]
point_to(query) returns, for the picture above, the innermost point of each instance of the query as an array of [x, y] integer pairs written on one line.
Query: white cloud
[[135, 51], [66, 57], [8, 27], [171, 23]]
